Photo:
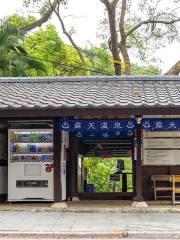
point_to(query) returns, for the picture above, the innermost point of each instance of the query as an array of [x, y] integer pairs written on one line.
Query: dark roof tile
[[84, 92]]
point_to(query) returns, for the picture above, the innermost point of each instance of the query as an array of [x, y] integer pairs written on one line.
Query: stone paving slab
[[88, 225], [63, 235]]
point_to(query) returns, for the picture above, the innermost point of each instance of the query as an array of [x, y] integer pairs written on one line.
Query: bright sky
[[91, 11]]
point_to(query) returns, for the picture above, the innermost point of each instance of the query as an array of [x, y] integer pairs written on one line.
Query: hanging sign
[[161, 124], [97, 125], [99, 129]]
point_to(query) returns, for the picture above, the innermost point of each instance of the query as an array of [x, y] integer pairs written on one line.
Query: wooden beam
[[57, 162], [87, 112]]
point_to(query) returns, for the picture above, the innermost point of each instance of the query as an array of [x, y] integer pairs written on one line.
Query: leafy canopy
[[60, 59], [14, 59]]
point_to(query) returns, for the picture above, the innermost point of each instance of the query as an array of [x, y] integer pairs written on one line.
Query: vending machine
[[30, 165]]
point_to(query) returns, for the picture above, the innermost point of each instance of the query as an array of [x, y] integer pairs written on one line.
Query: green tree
[[14, 59], [60, 59], [100, 170], [138, 27], [102, 63], [46, 8], [100, 59], [120, 22], [137, 69]]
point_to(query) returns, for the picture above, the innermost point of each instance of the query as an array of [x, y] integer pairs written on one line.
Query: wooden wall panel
[[155, 170]]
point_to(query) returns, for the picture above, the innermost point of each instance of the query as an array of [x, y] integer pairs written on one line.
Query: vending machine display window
[[31, 146]]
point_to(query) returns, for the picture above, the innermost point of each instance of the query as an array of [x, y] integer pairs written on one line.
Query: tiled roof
[[89, 92]]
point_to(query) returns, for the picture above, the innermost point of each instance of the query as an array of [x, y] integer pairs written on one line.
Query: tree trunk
[[126, 59], [175, 70], [114, 41], [111, 9], [122, 44]]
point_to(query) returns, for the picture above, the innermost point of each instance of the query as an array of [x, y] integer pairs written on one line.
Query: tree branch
[[57, 12], [107, 4], [121, 22], [114, 2], [104, 1], [151, 22], [41, 20], [175, 70]]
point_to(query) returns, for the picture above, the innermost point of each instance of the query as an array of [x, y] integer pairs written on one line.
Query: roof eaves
[[88, 79]]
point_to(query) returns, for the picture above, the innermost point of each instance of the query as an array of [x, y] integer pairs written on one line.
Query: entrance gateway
[[104, 164]]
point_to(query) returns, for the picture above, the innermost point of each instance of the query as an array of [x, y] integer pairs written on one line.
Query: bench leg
[[173, 197], [155, 195]]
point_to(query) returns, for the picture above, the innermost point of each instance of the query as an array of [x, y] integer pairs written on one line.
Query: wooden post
[[73, 156], [57, 162], [139, 170]]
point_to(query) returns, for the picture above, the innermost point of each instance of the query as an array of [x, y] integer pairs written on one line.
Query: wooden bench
[[162, 184], [175, 179]]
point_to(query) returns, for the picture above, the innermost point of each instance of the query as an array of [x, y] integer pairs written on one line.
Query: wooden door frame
[[104, 195]]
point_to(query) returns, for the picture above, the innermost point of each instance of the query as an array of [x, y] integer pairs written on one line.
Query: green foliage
[[19, 21], [14, 59], [100, 170], [101, 61], [71, 64], [60, 59], [45, 44], [43, 52], [145, 70]]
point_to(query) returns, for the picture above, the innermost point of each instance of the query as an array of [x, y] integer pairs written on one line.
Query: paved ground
[[167, 224], [93, 206], [72, 222], [81, 239]]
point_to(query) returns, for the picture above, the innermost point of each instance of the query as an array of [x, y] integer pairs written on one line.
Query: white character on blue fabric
[[65, 125], [130, 133], [91, 125], [117, 133], [130, 124], [104, 125], [159, 124], [146, 124], [79, 134], [92, 135], [172, 125], [106, 135], [117, 125], [77, 125]]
